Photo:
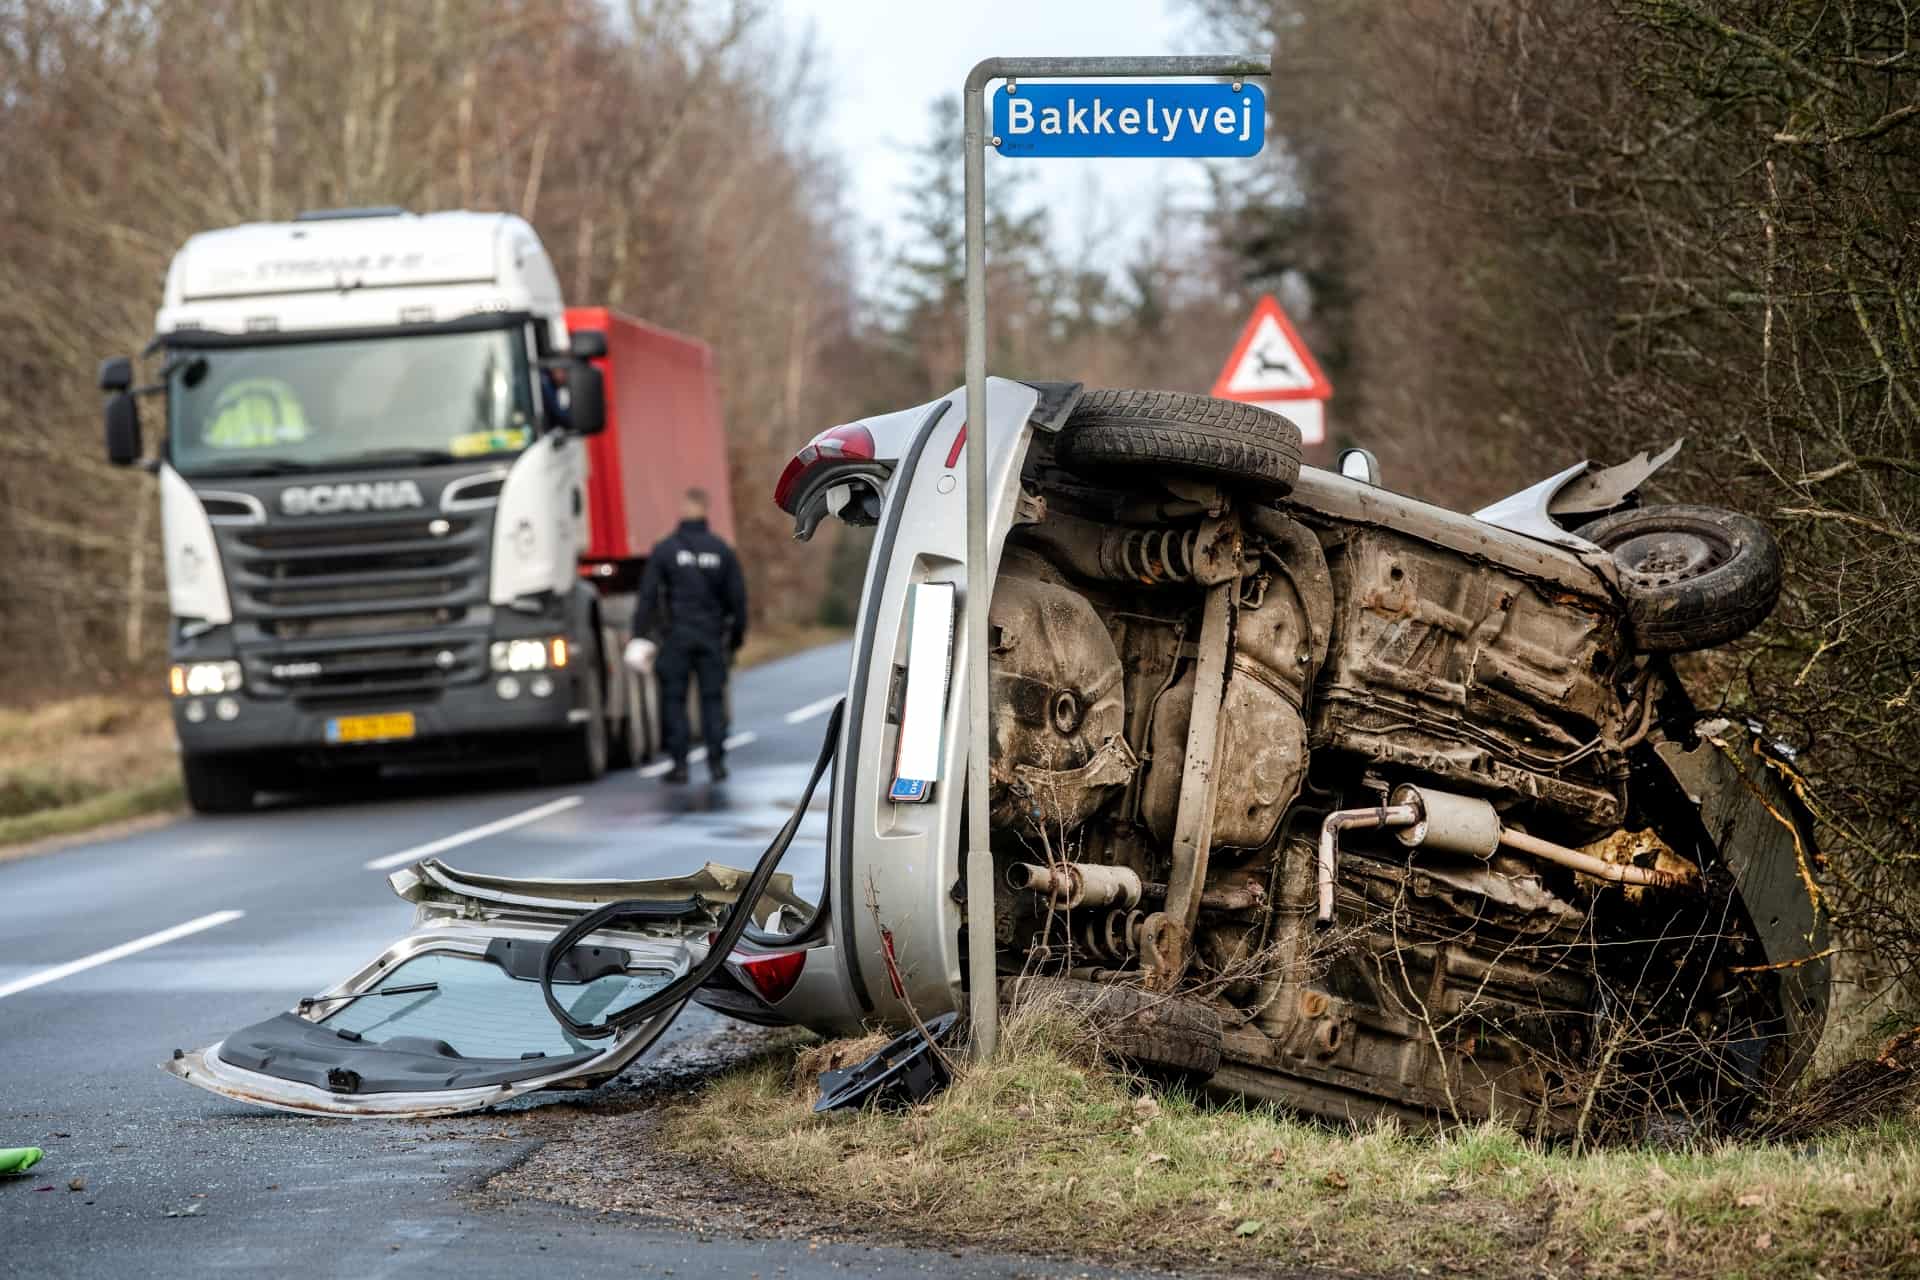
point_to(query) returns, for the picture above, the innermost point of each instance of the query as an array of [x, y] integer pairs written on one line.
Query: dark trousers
[[684, 657]]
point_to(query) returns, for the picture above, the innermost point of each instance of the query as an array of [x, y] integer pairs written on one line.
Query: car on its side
[[1368, 806]]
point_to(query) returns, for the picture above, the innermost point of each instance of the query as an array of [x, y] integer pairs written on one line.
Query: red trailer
[[663, 437]]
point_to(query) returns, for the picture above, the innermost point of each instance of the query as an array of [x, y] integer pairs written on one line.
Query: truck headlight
[[528, 655], [195, 679]]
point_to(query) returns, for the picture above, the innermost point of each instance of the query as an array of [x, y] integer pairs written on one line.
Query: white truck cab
[[372, 493]]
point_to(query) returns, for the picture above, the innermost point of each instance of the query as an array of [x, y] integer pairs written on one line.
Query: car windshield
[[281, 407]]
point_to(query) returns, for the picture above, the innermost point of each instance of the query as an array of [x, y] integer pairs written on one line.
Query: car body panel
[[1751, 814], [906, 857], [1526, 512]]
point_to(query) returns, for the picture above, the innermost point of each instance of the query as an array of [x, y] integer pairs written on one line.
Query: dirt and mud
[[605, 1154]]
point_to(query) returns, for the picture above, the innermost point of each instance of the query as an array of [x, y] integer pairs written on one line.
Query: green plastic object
[[19, 1159]]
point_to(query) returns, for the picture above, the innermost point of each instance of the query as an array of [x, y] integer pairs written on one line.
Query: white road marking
[[661, 768], [800, 715], [71, 967], [471, 834]]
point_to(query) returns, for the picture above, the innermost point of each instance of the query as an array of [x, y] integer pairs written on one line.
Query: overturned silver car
[[1345, 800]]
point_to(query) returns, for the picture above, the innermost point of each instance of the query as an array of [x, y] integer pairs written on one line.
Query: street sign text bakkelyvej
[[1060, 119], [1271, 367]]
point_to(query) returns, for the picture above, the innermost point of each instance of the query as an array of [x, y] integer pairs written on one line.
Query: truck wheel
[[1237, 445], [1157, 1032], [1694, 577], [217, 784], [581, 754]]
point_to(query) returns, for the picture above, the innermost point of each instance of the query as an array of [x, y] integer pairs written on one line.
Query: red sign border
[[1318, 389]]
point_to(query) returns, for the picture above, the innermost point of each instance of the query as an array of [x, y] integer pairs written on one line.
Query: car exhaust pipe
[[1427, 819], [1384, 815], [1587, 864], [1074, 884]]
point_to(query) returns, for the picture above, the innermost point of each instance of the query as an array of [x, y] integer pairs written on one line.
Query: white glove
[[639, 655]]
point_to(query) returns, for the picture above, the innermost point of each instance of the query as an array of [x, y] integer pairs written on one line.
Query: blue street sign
[[1055, 118]]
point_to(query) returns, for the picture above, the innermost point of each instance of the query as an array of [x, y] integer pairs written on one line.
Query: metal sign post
[[984, 1009]]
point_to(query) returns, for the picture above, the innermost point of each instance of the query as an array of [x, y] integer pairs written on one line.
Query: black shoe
[[677, 776], [717, 770]]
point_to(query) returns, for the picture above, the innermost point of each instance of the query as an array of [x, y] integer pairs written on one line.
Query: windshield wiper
[[251, 467], [373, 457], [414, 988]]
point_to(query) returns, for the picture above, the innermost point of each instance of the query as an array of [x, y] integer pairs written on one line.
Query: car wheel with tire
[[218, 784], [581, 754], [1693, 576], [1237, 446], [1148, 1029]]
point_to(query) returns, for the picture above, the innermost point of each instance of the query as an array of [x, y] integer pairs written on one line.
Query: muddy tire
[[1238, 446], [1146, 1029], [1694, 577]]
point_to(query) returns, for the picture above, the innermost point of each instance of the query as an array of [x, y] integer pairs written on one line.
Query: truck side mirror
[[587, 344], [123, 429], [586, 398], [116, 373], [1361, 465]]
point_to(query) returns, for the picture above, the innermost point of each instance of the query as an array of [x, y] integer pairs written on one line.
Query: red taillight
[[832, 445], [772, 976]]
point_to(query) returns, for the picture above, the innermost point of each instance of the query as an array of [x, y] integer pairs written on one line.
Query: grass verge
[[78, 763], [1043, 1150], [769, 643]]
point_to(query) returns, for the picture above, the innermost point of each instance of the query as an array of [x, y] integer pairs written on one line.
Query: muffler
[[1076, 884]]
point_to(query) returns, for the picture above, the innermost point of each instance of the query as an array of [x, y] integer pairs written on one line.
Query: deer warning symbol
[[1271, 366]]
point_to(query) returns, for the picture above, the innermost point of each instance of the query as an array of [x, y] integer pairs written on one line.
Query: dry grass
[[781, 640], [77, 763], [1042, 1147]]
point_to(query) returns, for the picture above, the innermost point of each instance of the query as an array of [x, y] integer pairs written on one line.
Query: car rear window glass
[[484, 1012]]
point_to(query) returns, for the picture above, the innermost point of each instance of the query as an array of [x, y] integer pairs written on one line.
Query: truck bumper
[[457, 719]]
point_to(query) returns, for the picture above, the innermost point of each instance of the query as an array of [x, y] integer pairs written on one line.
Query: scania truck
[[403, 492]]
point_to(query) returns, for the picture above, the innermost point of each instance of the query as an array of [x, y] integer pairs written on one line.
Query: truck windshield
[[420, 398]]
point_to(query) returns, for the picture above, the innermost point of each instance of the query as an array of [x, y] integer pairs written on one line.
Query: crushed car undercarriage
[[1376, 805]]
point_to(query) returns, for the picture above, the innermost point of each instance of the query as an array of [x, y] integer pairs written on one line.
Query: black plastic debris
[[908, 1070]]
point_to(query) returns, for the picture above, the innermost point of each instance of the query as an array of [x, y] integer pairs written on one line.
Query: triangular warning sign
[[1270, 362]]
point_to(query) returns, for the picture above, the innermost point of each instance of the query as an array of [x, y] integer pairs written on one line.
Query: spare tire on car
[[1153, 1031], [1693, 577], [1237, 446]]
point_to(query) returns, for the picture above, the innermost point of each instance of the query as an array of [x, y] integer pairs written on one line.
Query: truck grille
[[367, 609]]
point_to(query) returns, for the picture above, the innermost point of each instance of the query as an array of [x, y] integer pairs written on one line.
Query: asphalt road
[[115, 952]]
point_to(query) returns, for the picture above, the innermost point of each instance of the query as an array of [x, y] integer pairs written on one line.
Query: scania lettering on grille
[[326, 499]]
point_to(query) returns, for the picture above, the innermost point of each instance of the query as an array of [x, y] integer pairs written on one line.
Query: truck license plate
[[385, 727]]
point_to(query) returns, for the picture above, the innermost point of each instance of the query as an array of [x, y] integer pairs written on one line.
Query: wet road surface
[[118, 951]]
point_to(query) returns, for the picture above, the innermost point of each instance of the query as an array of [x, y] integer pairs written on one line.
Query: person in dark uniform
[[693, 593]]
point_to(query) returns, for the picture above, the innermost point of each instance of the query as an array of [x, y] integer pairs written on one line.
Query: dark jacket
[[693, 587]]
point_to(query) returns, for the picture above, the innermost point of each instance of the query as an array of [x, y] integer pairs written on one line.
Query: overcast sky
[[888, 59]]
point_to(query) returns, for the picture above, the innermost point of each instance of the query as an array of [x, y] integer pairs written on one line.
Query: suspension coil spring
[[1150, 556], [1113, 936]]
